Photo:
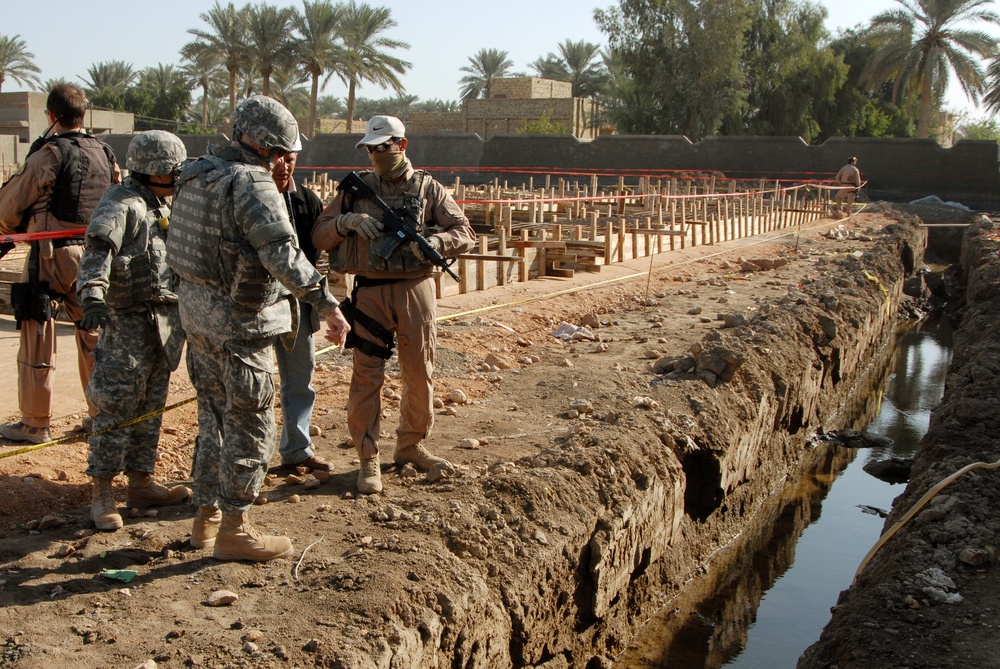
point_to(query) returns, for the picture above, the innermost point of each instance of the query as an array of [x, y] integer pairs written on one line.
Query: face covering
[[390, 164]]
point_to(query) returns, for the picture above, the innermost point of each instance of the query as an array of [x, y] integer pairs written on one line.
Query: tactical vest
[[204, 243], [356, 254], [139, 272], [86, 170]]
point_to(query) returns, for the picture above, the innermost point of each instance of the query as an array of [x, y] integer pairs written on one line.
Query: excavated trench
[[675, 489]]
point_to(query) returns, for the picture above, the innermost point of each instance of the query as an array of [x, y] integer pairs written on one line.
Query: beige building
[[22, 117], [513, 103]]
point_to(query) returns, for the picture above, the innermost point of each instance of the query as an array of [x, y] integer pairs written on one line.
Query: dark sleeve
[[308, 207]]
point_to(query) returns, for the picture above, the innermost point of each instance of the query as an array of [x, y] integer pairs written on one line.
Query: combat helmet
[[267, 122], [155, 152]]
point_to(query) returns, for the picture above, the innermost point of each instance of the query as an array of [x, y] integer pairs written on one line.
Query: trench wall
[[967, 172], [686, 486]]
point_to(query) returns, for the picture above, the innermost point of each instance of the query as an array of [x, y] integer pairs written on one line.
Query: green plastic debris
[[124, 575]]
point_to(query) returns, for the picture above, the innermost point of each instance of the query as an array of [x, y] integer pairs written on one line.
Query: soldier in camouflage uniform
[[127, 289], [233, 246]]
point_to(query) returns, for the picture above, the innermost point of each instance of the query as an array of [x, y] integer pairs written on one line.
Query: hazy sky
[[66, 37]]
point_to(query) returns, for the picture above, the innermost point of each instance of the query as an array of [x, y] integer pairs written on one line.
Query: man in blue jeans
[[295, 367]]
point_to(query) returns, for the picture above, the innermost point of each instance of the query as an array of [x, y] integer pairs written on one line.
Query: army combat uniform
[[124, 265], [233, 246], [399, 295]]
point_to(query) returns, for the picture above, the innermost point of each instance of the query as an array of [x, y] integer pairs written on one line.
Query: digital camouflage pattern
[[267, 122], [236, 428], [131, 376], [230, 233], [155, 152], [141, 343], [240, 237]]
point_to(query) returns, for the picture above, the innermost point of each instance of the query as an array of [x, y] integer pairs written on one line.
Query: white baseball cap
[[381, 129]]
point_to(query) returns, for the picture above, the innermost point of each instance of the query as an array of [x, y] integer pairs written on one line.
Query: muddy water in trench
[[766, 597]]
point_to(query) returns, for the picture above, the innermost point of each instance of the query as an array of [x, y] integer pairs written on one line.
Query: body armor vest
[[356, 254], [139, 272], [205, 244], [85, 172]]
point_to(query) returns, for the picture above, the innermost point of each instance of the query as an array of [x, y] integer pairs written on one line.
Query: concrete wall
[[895, 169]]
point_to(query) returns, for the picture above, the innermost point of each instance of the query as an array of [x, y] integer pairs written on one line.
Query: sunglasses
[[382, 148]]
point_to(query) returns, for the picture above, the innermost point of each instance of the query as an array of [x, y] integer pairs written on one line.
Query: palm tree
[[365, 57], [287, 89], [585, 66], [483, 68], [226, 38], [112, 75], [550, 67], [992, 98], [329, 106], [17, 63], [580, 63], [268, 45], [316, 48], [919, 45], [162, 79], [202, 69]]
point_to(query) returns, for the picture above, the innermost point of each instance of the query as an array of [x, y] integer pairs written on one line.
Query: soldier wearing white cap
[[393, 299]]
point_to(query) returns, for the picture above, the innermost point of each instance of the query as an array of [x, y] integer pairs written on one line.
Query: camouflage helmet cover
[[155, 152], [267, 122]]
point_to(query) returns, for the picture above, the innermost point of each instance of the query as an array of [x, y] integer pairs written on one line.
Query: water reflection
[[915, 387], [763, 602]]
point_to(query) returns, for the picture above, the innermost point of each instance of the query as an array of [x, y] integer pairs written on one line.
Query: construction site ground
[[506, 385]]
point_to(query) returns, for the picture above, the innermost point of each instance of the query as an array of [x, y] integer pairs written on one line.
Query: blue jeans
[[297, 394]]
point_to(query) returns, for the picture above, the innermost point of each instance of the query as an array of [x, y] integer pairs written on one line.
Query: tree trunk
[[926, 103], [204, 106], [232, 90], [313, 95], [350, 105], [265, 74]]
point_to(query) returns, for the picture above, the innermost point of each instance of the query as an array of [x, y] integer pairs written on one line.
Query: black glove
[[95, 314]]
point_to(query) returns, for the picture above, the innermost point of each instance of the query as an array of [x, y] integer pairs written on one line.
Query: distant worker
[[848, 181], [63, 178], [295, 365], [127, 290], [392, 297], [235, 251]]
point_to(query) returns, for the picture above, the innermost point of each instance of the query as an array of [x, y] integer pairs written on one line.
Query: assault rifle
[[400, 224]]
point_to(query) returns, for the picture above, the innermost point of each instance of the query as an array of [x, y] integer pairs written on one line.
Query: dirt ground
[[509, 391]]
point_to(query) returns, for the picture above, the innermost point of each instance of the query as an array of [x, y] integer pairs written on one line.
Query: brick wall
[[523, 88]]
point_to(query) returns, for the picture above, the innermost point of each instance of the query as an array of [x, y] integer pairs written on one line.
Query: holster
[[352, 315], [31, 301]]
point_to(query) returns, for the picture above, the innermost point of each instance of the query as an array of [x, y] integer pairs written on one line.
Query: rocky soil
[[597, 472]]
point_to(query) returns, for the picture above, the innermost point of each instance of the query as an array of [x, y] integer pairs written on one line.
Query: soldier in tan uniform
[[394, 298], [849, 181], [63, 179]]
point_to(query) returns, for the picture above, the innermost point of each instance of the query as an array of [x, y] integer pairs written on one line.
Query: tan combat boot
[[144, 491], [239, 540], [370, 476], [102, 505], [206, 527], [421, 458]]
